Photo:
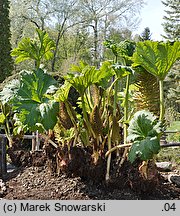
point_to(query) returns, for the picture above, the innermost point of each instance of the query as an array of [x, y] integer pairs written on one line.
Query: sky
[[152, 17]]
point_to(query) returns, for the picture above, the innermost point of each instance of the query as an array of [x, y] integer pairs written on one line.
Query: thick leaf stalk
[[4, 120], [162, 108], [126, 108], [87, 123]]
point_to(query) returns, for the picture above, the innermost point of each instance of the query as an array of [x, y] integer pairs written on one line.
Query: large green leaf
[[2, 118], [33, 101], [24, 51], [63, 92], [144, 149], [111, 45], [122, 71], [48, 111], [86, 76], [9, 91], [141, 125], [156, 57], [124, 48], [107, 72], [37, 49], [144, 131]]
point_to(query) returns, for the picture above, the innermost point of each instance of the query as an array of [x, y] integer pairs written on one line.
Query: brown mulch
[[37, 183], [36, 180]]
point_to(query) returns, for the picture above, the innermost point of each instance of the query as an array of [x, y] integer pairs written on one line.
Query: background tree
[[56, 17], [171, 20], [6, 63], [73, 47], [75, 25], [65, 17], [172, 92], [27, 15], [101, 15], [145, 35], [172, 81]]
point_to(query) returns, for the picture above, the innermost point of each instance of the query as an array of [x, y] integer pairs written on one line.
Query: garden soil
[[36, 180]]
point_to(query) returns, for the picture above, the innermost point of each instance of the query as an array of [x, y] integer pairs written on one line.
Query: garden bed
[[37, 181]]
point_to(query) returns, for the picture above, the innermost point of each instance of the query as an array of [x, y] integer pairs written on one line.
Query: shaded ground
[[37, 181]]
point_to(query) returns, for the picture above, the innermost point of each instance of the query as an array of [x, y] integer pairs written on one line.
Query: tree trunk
[[96, 63], [55, 52], [60, 34]]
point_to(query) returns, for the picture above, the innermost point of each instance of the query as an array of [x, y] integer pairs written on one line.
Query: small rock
[[10, 167], [164, 166], [174, 179], [2, 187]]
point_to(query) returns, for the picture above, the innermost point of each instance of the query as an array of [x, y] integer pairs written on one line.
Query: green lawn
[[175, 126], [171, 154]]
